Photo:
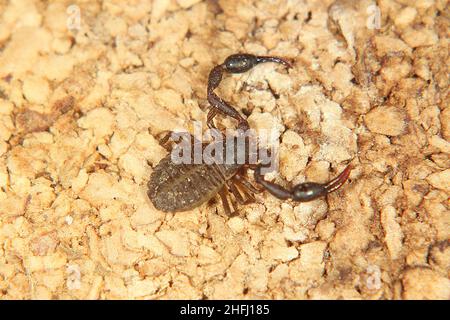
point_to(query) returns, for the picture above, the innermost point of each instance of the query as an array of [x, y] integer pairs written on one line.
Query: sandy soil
[[86, 89]]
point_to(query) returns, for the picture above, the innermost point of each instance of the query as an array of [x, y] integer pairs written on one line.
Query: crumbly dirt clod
[[87, 88]]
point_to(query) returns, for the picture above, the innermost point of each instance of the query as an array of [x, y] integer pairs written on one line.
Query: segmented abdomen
[[181, 187]]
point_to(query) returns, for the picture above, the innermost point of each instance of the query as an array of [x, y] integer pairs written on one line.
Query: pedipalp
[[236, 63], [303, 192]]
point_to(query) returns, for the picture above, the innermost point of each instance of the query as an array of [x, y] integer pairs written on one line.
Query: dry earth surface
[[87, 88]]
